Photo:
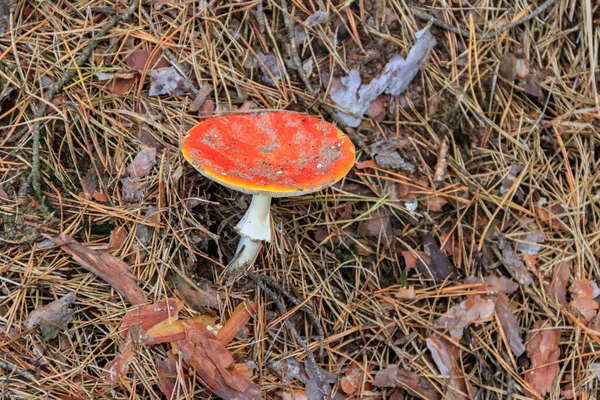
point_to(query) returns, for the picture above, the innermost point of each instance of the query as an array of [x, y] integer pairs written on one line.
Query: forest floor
[[458, 259]]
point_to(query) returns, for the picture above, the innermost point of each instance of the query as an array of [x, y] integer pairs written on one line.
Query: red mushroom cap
[[275, 153]]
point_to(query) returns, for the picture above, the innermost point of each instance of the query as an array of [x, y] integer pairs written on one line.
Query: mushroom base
[[245, 255]]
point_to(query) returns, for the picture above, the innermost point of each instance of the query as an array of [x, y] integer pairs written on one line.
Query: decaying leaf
[[394, 376], [167, 81], [559, 283], [531, 83], [207, 356], [148, 316], [314, 19], [53, 317], [105, 266], [445, 356], [205, 91], [142, 163], [144, 60], [514, 263], [514, 66], [387, 156], [406, 293], [495, 284], [583, 293], [352, 379], [118, 367], [543, 351], [398, 73], [117, 237], [440, 267], [378, 225], [132, 188], [511, 178], [510, 325], [529, 243], [200, 296], [270, 68], [167, 374], [474, 310], [411, 258]]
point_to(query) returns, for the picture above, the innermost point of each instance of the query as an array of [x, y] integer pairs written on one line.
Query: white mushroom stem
[[254, 228]]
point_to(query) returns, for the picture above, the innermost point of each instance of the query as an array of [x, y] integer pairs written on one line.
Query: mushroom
[[267, 154]]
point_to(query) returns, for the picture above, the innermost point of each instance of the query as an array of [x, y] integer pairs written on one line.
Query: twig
[[441, 24], [293, 331], [13, 368], [312, 316], [36, 177]]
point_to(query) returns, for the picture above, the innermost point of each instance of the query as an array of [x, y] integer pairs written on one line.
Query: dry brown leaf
[[105, 266], [142, 163], [440, 267], [583, 293], [377, 225], [352, 379], [205, 91], [318, 386], [295, 394], [378, 108], [200, 296], [211, 361], [559, 283], [118, 367], [387, 156], [167, 81], [208, 108], [144, 60], [394, 376], [406, 293], [411, 258], [495, 284], [510, 325], [543, 351], [514, 263], [436, 203], [474, 310], [117, 237], [445, 355], [167, 375], [148, 316], [53, 317]]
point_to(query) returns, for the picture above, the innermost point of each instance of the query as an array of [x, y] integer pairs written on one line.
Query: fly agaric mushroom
[[267, 154]]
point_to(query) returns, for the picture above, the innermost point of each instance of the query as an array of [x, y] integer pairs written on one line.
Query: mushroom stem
[[254, 228], [256, 223]]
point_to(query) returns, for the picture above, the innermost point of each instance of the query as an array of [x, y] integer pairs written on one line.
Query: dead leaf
[[352, 379], [513, 67], [117, 237], [441, 165], [208, 108], [316, 18], [118, 367], [205, 91], [377, 225], [559, 283], [167, 81], [387, 156], [270, 68], [295, 394], [288, 369], [144, 60], [510, 325], [411, 258], [440, 267], [394, 376], [474, 310], [200, 296], [105, 266], [445, 356], [150, 315], [529, 243], [510, 179], [583, 293], [495, 283], [514, 263], [356, 97], [406, 293], [531, 83], [167, 375], [378, 108], [120, 86], [204, 354], [239, 318], [53, 317], [543, 351], [142, 163]]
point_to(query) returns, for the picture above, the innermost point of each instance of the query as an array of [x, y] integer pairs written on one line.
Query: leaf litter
[[53, 317]]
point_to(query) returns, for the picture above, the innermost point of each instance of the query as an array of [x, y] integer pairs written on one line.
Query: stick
[[464, 33], [36, 176]]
